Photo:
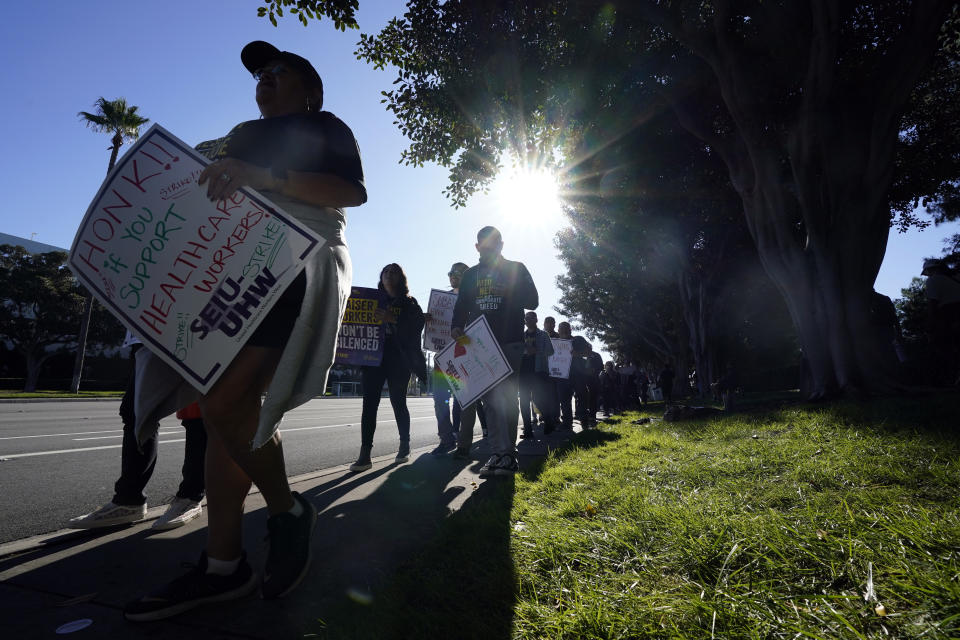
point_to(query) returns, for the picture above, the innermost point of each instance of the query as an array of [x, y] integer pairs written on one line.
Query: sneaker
[[487, 470], [506, 466], [191, 590], [110, 515], [289, 556], [180, 512], [363, 461], [526, 435], [462, 453], [403, 453]]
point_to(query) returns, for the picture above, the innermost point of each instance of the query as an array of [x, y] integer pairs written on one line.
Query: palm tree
[[115, 118]]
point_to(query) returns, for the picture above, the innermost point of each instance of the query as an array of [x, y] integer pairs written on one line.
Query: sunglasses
[[274, 71]]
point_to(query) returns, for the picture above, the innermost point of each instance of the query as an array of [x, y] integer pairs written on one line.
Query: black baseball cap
[[258, 53]]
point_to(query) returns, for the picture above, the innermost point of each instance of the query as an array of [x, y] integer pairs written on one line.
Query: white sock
[[297, 509], [222, 567]]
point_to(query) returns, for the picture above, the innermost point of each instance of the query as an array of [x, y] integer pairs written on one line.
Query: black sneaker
[[289, 556], [363, 460], [403, 452], [192, 590], [506, 466], [462, 453]]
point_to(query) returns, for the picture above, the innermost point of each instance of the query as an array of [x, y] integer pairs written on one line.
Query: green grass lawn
[[805, 521], [57, 395]]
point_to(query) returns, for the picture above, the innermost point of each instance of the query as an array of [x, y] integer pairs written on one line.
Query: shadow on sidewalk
[[461, 583]]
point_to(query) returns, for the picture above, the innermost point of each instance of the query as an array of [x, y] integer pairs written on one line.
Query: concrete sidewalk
[[370, 523]]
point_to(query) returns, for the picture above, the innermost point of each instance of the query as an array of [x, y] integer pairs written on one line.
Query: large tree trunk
[[694, 301], [33, 371], [826, 278]]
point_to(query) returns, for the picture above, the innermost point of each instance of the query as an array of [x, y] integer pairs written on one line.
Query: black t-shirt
[[313, 142], [499, 290]]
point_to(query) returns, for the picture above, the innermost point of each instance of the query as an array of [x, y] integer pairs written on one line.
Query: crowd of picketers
[[307, 161]]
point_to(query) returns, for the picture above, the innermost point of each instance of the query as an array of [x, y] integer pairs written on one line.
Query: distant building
[[31, 246]]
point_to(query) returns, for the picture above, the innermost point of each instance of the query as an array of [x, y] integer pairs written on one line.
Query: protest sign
[[436, 331], [561, 359], [474, 368], [191, 278], [361, 336]]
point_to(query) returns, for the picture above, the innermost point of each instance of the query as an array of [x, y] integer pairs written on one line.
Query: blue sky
[[179, 62]]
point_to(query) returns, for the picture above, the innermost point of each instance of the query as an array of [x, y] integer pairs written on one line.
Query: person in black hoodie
[[500, 290], [402, 319]]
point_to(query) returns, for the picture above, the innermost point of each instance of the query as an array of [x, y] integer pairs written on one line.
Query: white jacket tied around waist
[[308, 355]]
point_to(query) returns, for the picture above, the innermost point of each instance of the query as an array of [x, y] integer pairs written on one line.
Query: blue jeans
[[503, 414], [447, 428]]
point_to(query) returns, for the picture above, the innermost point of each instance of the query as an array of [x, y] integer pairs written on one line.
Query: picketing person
[[306, 161], [500, 290], [137, 463], [534, 377], [445, 405], [403, 322]]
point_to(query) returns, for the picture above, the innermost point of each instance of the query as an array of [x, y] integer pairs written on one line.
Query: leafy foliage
[[823, 114], [41, 307], [115, 118], [928, 157], [342, 12]]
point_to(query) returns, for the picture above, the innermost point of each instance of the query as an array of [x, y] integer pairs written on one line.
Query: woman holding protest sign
[[402, 319], [307, 162]]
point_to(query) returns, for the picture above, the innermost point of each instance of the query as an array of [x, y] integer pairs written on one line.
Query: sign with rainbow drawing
[[474, 366]]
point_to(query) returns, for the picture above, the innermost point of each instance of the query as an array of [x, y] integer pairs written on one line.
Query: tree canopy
[[828, 117], [41, 308]]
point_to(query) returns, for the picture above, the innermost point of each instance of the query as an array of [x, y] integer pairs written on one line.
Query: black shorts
[[275, 329]]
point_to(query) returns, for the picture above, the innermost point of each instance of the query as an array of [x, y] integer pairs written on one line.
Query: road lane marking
[[54, 435], [162, 433], [50, 453], [14, 456], [85, 433]]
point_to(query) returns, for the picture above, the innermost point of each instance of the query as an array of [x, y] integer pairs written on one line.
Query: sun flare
[[529, 197]]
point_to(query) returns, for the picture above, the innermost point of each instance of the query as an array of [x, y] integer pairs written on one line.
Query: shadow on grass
[[932, 413], [461, 583], [582, 440]]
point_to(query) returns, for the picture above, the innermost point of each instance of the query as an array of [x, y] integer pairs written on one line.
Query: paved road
[[60, 459]]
